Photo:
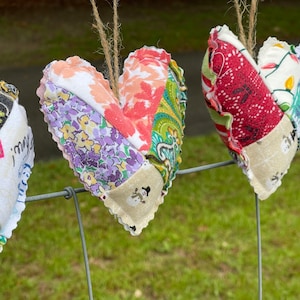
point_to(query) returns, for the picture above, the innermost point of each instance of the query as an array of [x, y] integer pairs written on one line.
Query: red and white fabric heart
[[125, 151], [254, 105]]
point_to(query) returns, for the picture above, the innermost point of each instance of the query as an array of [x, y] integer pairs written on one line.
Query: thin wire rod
[[63, 193], [71, 193], [205, 167], [259, 252]]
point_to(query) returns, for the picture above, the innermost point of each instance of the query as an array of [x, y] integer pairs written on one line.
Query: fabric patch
[[280, 67], [268, 159], [101, 156], [136, 201], [168, 127]]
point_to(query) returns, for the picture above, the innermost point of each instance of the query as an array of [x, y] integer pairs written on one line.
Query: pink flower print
[[69, 67], [115, 116], [150, 97], [149, 55]]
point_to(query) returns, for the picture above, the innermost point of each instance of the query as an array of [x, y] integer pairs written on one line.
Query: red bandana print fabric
[[240, 91]]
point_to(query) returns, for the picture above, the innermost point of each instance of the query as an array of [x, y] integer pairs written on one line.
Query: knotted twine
[[110, 44], [247, 37]]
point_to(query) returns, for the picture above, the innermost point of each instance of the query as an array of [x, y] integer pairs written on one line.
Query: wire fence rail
[[70, 192]]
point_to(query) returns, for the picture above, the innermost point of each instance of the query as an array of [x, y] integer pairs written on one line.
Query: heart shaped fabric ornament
[[125, 151], [259, 135], [16, 159]]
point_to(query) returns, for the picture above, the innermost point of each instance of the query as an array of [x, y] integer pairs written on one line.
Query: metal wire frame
[[70, 192]]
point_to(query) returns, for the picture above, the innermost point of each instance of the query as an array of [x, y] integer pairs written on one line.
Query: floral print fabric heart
[[125, 151]]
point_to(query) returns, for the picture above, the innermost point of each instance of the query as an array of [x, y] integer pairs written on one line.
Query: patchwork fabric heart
[[16, 159], [125, 151], [280, 66], [259, 135]]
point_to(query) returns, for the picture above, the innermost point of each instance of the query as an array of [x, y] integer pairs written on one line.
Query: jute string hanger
[[110, 44], [247, 37]]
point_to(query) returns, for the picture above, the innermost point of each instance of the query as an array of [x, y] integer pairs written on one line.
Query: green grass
[[200, 245], [38, 36]]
